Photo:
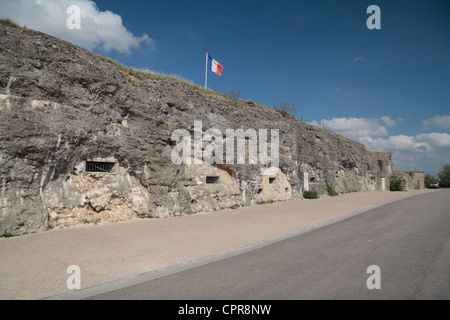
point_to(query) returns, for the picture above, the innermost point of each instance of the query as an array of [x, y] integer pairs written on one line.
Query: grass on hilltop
[[9, 22], [143, 75]]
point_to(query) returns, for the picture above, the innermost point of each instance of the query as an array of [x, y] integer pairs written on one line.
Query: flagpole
[[206, 72]]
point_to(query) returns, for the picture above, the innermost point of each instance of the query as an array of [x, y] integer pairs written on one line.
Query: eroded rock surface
[[61, 106]]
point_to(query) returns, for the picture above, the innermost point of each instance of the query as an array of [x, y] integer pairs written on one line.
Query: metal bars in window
[[94, 166]]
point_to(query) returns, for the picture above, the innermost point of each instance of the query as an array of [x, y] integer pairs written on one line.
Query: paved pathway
[[34, 266], [405, 240]]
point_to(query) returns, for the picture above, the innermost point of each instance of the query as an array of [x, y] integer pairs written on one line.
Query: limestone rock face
[[62, 107]]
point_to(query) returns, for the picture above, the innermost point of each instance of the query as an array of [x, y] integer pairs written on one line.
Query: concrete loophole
[[212, 179]]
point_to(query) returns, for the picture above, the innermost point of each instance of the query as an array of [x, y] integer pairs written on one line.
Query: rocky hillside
[[82, 140]]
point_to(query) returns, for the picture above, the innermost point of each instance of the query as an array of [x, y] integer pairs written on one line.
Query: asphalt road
[[409, 240]]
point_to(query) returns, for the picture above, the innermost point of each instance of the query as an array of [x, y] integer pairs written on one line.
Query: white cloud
[[435, 139], [396, 143], [358, 59], [424, 152], [388, 122], [355, 128], [439, 122], [99, 29]]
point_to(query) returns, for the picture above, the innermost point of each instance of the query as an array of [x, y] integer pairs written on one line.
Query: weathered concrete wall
[[223, 191], [409, 180], [86, 197], [274, 186], [60, 106], [418, 180]]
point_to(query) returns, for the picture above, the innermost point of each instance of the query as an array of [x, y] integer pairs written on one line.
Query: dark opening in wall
[[380, 164], [95, 166], [312, 179], [259, 191], [212, 179], [272, 180]]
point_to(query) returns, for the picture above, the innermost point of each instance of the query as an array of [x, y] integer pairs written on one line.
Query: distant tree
[[428, 179], [285, 108], [444, 176]]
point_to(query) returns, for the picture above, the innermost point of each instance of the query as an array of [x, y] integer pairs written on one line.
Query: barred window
[[95, 166]]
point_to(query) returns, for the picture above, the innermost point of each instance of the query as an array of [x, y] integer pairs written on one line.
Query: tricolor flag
[[215, 66]]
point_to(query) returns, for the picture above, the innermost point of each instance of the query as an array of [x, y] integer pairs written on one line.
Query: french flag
[[215, 66]]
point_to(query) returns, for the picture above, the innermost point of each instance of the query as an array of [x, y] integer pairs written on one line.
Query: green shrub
[[264, 202], [312, 194], [6, 234], [147, 216], [396, 185], [86, 221], [330, 190]]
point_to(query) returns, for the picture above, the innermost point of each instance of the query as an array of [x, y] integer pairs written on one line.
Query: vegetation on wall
[[312, 194], [396, 185], [330, 190], [285, 108]]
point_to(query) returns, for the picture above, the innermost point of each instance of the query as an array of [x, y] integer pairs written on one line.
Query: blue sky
[[387, 88]]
